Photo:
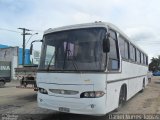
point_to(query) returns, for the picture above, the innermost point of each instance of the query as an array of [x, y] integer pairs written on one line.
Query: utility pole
[[24, 40]]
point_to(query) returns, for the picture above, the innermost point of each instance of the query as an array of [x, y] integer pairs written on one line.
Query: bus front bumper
[[88, 106]]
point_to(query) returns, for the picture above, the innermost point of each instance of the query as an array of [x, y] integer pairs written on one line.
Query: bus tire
[[149, 80], [122, 97], [143, 86]]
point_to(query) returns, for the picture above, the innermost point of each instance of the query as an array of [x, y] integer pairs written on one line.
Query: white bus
[[93, 69]]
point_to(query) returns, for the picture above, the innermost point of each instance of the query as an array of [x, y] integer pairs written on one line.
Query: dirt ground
[[21, 104]]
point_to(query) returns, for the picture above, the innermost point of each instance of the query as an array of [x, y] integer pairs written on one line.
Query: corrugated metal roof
[[3, 46]]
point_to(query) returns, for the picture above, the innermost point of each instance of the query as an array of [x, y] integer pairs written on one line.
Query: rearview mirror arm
[[31, 46]]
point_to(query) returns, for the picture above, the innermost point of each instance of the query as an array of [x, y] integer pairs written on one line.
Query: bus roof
[[89, 25]]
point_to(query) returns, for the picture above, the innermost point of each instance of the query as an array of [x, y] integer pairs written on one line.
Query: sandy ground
[[22, 102]]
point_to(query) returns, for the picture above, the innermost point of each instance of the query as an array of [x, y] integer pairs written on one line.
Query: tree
[[155, 64]]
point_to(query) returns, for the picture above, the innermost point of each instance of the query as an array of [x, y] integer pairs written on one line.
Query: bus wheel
[[149, 80], [122, 97], [2, 83], [143, 86]]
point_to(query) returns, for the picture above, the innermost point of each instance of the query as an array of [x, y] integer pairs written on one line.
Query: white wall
[[14, 64], [10, 54]]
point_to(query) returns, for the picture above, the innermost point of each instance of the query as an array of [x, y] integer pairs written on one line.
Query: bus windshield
[[74, 50]]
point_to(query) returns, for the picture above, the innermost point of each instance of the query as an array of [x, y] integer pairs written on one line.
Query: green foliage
[[155, 64]]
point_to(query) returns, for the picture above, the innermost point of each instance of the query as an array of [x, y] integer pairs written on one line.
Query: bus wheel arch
[[143, 82], [123, 91], [143, 85], [122, 96]]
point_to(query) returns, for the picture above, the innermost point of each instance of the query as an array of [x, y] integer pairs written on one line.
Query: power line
[[37, 30], [4, 29]]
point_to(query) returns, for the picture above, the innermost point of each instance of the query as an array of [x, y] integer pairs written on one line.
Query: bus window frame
[[118, 53]]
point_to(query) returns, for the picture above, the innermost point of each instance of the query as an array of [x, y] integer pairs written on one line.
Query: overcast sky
[[139, 19]]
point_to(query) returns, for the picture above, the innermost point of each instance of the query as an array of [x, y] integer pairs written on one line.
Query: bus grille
[[65, 92]]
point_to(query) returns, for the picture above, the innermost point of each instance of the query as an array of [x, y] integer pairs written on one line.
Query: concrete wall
[[27, 54], [10, 54]]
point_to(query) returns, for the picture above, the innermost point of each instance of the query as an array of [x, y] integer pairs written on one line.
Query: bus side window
[[132, 53], [141, 58], [113, 54], [124, 48], [138, 55], [146, 60]]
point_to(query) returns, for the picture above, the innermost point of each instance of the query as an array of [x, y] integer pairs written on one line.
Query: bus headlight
[[92, 94], [42, 90]]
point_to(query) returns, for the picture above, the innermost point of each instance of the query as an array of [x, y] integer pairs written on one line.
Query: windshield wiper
[[73, 61], [50, 62], [68, 51]]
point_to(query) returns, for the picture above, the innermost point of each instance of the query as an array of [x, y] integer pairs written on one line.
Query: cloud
[[146, 38], [140, 33], [83, 17], [137, 18], [13, 10]]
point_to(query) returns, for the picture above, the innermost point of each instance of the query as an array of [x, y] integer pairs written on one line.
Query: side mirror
[[106, 44], [31, 49]]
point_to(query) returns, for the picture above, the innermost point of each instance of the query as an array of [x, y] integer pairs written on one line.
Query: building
[[19, 54], [27, 56], [14, 55], [10, 54]]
